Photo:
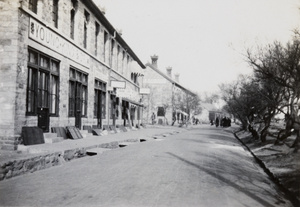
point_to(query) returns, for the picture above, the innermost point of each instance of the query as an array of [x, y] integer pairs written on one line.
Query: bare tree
[[186, 101], [280, 64], [237, 100]]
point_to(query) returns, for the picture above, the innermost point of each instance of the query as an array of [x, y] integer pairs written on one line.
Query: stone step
[[50, 135], [28, 149], [111, 132], [22, 148], [85, 133], [53, 139], [105, 132]]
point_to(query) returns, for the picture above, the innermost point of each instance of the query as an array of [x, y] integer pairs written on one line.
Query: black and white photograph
[[150, 103]]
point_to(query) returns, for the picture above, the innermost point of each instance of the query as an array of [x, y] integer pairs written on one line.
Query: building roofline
[[90, 4], [170, 79]]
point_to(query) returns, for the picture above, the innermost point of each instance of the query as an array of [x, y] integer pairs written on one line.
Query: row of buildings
[[63, 64]]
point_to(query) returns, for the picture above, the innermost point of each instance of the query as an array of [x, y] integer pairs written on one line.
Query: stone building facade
[[166, 96], [63, 64]]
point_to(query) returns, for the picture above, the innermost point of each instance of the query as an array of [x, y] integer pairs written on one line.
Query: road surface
[[204, 166]]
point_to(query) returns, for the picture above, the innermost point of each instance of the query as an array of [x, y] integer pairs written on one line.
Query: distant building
[[165, 92], [63, 64]]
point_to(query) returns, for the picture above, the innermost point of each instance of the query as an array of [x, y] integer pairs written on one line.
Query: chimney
[[102, 9], [169, 71], [177, 77], [154, 60], [120, 31]]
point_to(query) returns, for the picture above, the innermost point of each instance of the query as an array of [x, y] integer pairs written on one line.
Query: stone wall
[[9, 70], [17, 167], [15, 17], [160, 95], [20, 167]]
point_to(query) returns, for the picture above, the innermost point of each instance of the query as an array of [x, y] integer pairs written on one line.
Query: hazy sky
[[204, 41]]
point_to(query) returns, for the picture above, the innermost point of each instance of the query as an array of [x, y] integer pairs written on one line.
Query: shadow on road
[[214, 135], [227, 181]]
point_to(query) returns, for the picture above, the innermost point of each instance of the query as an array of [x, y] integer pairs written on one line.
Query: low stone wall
[[111, 145], [21, 166]]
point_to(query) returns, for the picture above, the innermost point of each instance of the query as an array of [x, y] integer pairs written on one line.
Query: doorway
[[78, 104], [99, 112], [43, 119]]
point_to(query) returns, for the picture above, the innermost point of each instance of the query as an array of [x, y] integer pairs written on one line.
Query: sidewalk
[[42, 156], [280, 162]]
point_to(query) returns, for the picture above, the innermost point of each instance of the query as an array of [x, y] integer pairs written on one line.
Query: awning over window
[[132, 102]]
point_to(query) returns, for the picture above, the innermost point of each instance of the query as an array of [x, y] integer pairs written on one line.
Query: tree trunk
[[267, 122], [263, 134], [253, 132], [283, 134], [296, 143]]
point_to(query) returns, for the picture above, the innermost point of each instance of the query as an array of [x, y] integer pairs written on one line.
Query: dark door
[[43, 119], [43, 101], [125, 108], [99, 110], [78, 104], [132, 114], [113, 108]]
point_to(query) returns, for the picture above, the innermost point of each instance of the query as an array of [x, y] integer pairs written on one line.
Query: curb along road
[[292, 197], [25, 163]]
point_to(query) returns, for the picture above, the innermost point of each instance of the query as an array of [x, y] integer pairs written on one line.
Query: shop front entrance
[[125, 108], [78, 104], [132, 114], [98, 98], [43, 119]]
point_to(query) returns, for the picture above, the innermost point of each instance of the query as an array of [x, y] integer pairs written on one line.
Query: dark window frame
[[112, 46], [74, 4], [72, 23], [78, 77], [85, 28], [100, 89], [85, 35], [123, 61], [97, 32], [39, 92], [32, 5], [118, 56], [106, 38], [161, 111], [55, 13]]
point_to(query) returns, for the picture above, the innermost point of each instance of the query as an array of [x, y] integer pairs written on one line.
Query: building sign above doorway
[[52, 40]]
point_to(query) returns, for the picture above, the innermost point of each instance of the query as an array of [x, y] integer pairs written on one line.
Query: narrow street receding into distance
[[204, 166]]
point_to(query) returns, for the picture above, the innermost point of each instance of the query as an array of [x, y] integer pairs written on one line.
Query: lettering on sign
[[49, 38]]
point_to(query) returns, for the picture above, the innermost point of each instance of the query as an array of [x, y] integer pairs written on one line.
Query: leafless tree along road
[[204, 166]]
